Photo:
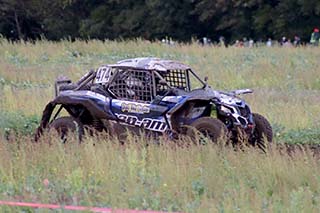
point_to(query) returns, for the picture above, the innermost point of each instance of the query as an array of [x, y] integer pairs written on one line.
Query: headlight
[[226, 110]]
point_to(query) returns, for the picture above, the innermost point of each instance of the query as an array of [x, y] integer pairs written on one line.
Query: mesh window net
[[175, 78], [133, 85]]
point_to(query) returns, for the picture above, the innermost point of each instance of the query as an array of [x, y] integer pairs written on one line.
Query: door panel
[[147, 116]]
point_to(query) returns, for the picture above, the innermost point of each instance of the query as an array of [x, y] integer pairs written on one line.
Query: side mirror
[[206, 81]]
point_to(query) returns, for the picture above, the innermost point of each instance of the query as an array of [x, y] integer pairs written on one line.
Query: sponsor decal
[[135, 107], [147, 123]]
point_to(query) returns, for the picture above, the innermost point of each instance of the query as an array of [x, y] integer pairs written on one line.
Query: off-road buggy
[[160, 97]]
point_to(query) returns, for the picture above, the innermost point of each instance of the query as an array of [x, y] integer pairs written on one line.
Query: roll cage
[[142, 85]]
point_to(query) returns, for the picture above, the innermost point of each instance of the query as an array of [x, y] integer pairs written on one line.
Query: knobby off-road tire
[[66, 127], [207, 127], [262, 135]]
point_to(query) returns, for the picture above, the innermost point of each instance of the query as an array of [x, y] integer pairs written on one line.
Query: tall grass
[[284, 79], [159, 177]]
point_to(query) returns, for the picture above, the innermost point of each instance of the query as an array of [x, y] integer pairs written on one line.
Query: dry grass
[[197, 179], [159, 177], [285, 79]]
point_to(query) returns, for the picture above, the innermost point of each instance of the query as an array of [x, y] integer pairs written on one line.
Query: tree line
[[155, 19]]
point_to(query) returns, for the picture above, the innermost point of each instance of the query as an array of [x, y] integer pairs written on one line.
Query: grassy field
[[198, 179]]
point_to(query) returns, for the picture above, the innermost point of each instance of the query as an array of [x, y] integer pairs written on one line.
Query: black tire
[[262, 135], [64, 125], [207, 127]]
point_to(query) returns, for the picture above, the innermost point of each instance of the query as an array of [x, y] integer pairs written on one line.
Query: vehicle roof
[[150, 63]]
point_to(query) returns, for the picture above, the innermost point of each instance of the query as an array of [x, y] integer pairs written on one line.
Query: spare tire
[[207, 128]]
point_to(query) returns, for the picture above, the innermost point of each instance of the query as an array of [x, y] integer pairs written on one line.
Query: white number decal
[[103, 75]]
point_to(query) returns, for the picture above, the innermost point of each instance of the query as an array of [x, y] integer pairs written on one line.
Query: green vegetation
[[284, 80], [169, 178], [195, 179]]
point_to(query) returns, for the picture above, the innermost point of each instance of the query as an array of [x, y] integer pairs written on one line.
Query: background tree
[[17, 19], [156, 19]]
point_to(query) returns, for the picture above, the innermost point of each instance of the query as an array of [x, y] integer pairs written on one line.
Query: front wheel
[[262, 134], [67, 127], [207, 128]]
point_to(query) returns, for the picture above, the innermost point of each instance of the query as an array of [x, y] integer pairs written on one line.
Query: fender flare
[[172, 113], [102, 112]]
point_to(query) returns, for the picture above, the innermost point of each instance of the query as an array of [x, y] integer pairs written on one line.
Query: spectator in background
[[245, 42], [297, 41], [222, 42], [287, 43], [251, 43], [269, 42], [283, 41], [205, 41], [236, 43], [314, 40]]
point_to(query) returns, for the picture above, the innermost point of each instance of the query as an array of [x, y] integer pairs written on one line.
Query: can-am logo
[[147, 123]]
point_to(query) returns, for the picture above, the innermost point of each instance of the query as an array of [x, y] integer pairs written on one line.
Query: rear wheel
[[67, 127], [262, 135], [206, 128]]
